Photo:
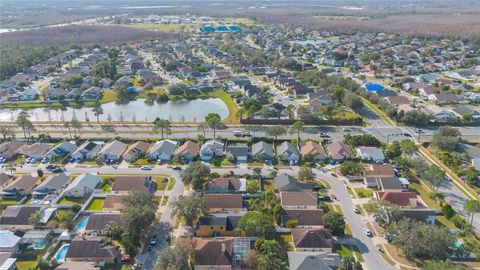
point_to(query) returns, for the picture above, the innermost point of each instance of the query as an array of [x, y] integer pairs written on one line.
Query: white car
[[146, 168], [367, 232], [355, 210]]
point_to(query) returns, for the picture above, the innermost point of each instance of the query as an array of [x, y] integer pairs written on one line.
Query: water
[[62, 253], [181, 110], [82, 224]]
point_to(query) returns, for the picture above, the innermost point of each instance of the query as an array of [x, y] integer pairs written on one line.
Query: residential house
[[64, 148], [299, 199], [4, 179], [162, 150], [92, 93], [391, 184], [88, 150], [339, 150], [213, 253], [20, 187], [9, 241], [16, 216], [286, 182], [223, 202], [92, 249], [134, 183], [262, 150], [217, 225], [371, 154], [315, 150], [313, 260], [82, 186], [98, 222], [112, 151], [306, 239], [210, 149], [286, 151], [305, 217], [10, 148], [464, 112], [408, 200], [7, 261], [52, 185], [114, 202], [147, 76], [239, 152], [397, 100], [38, 150], [37, 239], [226, 185], [188, 150], [136, 150], [378, 170]]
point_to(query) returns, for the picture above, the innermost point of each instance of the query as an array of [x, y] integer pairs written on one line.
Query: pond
[[177, 111]]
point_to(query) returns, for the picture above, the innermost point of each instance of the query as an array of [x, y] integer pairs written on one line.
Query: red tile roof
[[400, 198]]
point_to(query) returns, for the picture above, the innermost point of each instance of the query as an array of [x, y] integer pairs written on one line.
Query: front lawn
[[72, 200], [161, 182], [96, 204], [171, 184], [164, 200], [364, 193]]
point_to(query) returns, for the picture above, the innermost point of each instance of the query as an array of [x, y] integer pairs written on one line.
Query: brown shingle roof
[[139, 146], [313, 148], [100, 221], [188, 147], [91, 248], [378, 170], [312, 238], [25, 182], [401, 198], [17, 214], [213, 251], [227, 184], [134, 183], [339, 150], [223, 201], [4, 178], [306, 217], [299, 198]]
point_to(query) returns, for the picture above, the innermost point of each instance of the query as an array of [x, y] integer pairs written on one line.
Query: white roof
[[8, 239], [84, 180]]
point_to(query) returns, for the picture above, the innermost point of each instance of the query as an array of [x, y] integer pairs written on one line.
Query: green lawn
[[171, 184], [424, 194], [96, 204], [164, 201], [161, 182], [108, 96], [364, 193], [343, 250], [158, 27], [287, 237], [26, 265], [268, 184], [379, 112], [232, 106], [72, 200], [324, 184], [10, 202]]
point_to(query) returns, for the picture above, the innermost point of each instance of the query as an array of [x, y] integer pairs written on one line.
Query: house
[[136, 150], [20, 187], [112, 151], [210, 149], [288, 152], [476, 163], [188, 150], [299, 199], [88, 150], [313, 260], [38, 150], [11, 148], [64, 148], [286, 182], [226, 185], [52, 185], [92, 93], [147, 76], [8, 241], [134, 183], [397, 100], [98, 222], [262, 150], [378, 170], [213, 253], [217, 225], [7, 261], [305, 217], [4, 179], [82, 186], [16, 216], [37, 239], [339, 150], [114, 202], [162, 150], [92, 249], [371, 154], [306, 239], [223, 202], [239, 152], [408, 200], [466, 112], [315, 150], [392, 184]]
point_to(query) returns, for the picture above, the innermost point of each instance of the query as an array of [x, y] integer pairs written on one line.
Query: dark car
[[407, 135], [58, 170], [177, 168]]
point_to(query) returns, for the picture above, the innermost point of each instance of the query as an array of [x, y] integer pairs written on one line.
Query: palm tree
[[10, 166], [6, 131], [297, 127], [23, 121], [240, 113], [202, 127], [97, 110], [162, 125], [76, 125], [213, 121], [35, 219], [67, 126]]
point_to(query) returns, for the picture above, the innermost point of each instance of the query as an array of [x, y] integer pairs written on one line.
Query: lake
[[177, 111]]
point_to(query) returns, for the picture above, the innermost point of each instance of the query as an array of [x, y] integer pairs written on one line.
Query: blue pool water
[[62, 253], [82, 224]]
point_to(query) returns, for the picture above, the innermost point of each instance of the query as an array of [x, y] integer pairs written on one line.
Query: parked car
[[177, 168], [146, 168], [126, 259], [355, 210], [367, 232], [154, 240], [346, 129], [44, 161], [58, 170]]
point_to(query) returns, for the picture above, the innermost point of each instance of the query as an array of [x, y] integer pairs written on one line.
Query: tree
[[351, 168], [195, 174], [408, 147], [446, 138], [394, 151], [68, 126], [213, 121], [253, 186], [335, 222], [442, 265], [240, 113], [176, 257], [76, 125], [40, 173], [306, 174], [472, 207], [257, 224], [297, 127], [420, 240], [292, 223], [276, 131], [114, 230], [35, 219], [202, 127], [472, 176], [270, 255], [23, 121], [188, 208], [386, 212], [6, 131], [437, 176], [97, 110], [349, 263], [10, 166], [123, 94], [352, 101], [289, 110], [448, 211], [162, 125]]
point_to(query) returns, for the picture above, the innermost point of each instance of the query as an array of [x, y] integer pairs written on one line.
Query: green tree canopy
[[257, 224], [196, 174]]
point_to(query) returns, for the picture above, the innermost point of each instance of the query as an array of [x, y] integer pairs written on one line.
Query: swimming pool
[[62, 253], [82, 224]]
